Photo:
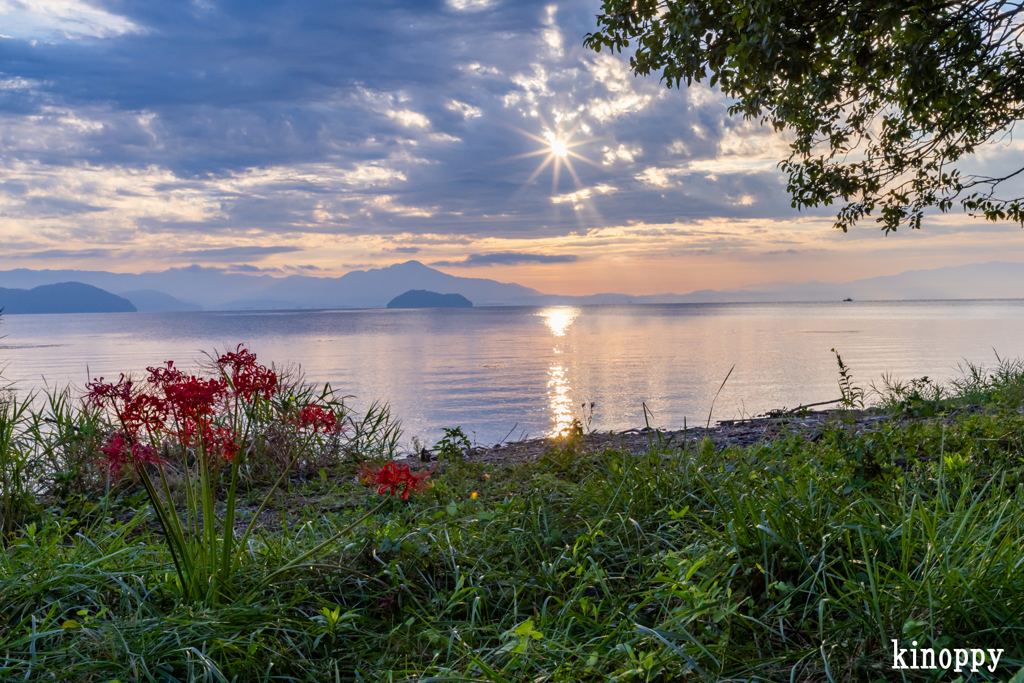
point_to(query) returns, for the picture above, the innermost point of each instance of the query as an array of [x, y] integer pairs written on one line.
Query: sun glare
[[557, 151], [559, 319]]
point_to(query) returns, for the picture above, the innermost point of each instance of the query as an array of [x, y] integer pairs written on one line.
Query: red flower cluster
[[100, 391], [194, 400], [182, 407], [220, 440], [135, 410], [118, 450], [248, 378], [394, 478], [320, 419]]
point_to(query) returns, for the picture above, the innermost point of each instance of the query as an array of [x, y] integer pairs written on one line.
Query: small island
[[421, 298]]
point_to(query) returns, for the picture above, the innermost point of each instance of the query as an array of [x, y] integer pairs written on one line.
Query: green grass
[[796, 560]]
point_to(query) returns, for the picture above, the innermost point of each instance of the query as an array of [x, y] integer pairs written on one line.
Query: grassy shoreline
[[798, 558]]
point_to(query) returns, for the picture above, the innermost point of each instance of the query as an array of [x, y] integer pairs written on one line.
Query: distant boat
[[847, 299]]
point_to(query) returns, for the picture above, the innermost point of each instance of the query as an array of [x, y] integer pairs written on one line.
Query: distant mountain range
[[152, 301], [197, 288], [63, 297], [214, 290]]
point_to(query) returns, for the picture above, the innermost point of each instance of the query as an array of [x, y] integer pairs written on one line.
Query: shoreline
[[723, 434]]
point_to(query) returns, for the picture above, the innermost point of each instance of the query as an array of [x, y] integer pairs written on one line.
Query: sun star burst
[[557, 150]]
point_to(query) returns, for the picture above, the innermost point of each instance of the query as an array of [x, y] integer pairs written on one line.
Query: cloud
[[403, 250], [228, 254], [506, 258], [247, 268], [470, 5], [294, 122], [61, 20], [56, 206], [69, 254], [467, 111]]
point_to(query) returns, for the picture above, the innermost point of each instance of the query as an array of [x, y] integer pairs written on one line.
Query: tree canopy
[[883, 97]]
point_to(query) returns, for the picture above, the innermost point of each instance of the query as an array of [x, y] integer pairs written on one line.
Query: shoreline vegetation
[[241, 525]]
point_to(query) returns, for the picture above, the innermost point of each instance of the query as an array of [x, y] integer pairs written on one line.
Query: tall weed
[[17, 461]]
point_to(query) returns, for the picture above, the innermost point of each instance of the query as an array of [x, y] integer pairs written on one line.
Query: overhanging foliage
[[884, 96]]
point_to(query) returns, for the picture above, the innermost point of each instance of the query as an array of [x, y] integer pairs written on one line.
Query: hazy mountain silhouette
[[208, 287], [214, 289], [995, 280], [375, 288], [63, 297], [152, 301]]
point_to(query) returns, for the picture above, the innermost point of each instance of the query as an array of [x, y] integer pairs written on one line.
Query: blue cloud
[[70, 254], [229, 254], [507, 258]]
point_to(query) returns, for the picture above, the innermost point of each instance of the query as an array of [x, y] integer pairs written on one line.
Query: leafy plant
[[453, 445], [853, 396], [518, 639]]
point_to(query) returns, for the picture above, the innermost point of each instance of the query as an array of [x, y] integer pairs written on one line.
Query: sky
[[480, 137]]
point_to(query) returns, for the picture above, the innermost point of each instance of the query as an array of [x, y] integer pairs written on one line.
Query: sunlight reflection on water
[[558, 320], [561, 403]]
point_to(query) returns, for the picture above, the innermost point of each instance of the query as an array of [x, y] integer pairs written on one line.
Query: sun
[[557, 150]]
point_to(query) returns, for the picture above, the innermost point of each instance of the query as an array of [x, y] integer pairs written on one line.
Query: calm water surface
[[492, 369]]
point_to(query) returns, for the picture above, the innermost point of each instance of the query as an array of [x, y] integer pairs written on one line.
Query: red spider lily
[[165, 376], [248, 378], [136, 411], [99, 392], [119, 450], [194, 399], [393, 478], [191, 395], [213, 439], [194, 418], [320, 419], [220, 439], [143, 411]]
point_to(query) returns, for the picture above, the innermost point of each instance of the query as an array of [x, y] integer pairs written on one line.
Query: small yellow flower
[[473, 495], [487, 476]]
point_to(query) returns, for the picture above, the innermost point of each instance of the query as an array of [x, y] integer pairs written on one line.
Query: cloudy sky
[[479, 136]]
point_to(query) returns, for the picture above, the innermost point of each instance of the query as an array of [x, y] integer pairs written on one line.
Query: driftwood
[[783, 412]]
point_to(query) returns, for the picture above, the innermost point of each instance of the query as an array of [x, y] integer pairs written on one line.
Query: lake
[[518, 371]]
